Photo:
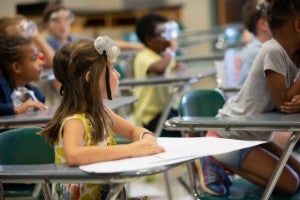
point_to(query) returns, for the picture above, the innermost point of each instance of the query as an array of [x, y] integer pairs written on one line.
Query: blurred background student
[[155, 59], [57, 20], [19, 65], [256, 23], [20, 25]]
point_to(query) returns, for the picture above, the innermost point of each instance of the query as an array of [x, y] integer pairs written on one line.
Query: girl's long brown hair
[[70, 65]]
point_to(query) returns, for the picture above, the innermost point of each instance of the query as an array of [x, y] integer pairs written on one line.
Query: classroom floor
[[155, 189]]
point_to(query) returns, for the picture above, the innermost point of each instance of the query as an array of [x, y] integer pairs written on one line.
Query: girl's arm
[[44, 47], [129, 130], [277, 87], [76, 153], [160, 66]]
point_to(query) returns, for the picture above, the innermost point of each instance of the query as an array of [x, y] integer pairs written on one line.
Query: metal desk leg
[[1, 191], [46, 191], [158, 130], [280, 165], [114, 191]]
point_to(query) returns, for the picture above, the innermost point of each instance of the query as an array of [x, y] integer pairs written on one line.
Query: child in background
[[19, 65], [58, 19], [82, 129], [256, 23], [19, 25], [271, 85], [155, 59]]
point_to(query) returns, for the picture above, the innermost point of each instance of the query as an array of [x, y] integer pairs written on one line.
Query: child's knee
[[291, 185]]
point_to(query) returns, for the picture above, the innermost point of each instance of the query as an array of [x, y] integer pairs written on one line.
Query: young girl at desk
[[19, 65], [270, 85], [82, 130]]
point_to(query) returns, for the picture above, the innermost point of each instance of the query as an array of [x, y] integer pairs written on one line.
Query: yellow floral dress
[[74, 191]]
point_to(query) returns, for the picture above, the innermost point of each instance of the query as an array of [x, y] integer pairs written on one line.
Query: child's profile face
[[59, 23], [113, 81], [158, 42], [30, 67]]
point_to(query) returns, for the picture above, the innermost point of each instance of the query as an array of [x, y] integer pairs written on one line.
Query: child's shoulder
[[79, 116]]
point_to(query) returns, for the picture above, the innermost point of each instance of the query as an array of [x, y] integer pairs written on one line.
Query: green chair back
[[201, 102], [24, 146]]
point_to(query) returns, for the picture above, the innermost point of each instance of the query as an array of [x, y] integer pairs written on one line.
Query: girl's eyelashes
[[35, 56]]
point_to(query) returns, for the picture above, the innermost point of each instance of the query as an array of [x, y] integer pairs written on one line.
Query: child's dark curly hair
[[10, 51], [279, 11], [146, 25]]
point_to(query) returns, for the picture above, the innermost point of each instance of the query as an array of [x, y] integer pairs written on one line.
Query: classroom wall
[[195, 14]]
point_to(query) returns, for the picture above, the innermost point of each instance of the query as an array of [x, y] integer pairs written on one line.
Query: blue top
[[56, 44], [247, 55], [6, 103]]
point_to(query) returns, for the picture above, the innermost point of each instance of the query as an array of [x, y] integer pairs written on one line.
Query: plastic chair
[[23, 146], [201, 102]]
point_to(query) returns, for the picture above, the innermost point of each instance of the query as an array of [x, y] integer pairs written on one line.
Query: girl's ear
[[297, 24], [16, 68], [87, 76]]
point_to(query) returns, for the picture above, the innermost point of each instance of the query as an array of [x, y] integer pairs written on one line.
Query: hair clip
[[106, 44], [262, 5]]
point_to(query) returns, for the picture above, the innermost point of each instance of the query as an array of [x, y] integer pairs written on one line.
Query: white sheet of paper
[[177, 150]]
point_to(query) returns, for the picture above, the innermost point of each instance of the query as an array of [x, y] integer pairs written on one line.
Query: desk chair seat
[[24, 146]]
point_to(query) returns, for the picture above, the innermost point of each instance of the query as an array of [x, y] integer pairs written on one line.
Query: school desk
[[42, 117], [175, 81], [119, 172], [263, 122]]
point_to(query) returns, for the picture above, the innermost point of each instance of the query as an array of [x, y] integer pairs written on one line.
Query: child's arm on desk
[[280, 94], [77, 153]]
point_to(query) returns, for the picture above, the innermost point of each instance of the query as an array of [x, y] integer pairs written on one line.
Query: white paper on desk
[[177, 150]]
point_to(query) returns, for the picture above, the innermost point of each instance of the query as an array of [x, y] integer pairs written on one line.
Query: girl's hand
[[144, 147], [30, 104], [173, 45], [293, 106]]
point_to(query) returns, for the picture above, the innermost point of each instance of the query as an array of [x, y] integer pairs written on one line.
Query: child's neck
[[20, 83]]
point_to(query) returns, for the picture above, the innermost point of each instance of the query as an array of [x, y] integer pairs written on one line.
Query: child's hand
[[180, 67], [293, 106], [30, 104], [144, 147], [173, 45]]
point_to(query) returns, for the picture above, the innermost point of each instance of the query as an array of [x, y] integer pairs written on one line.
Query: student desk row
[[263, 122], [175, 81], [61, 173], [42, 117]]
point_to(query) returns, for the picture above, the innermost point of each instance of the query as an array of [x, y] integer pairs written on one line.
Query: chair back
[[201, 102], [24, 146]]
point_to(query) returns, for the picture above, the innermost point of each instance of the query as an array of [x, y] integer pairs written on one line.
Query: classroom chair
[[199, 102], [23, 146]]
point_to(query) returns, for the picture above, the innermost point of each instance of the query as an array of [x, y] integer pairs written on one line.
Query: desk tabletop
[[273, 121], [63, 173], [42, 117], [189, 75]]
